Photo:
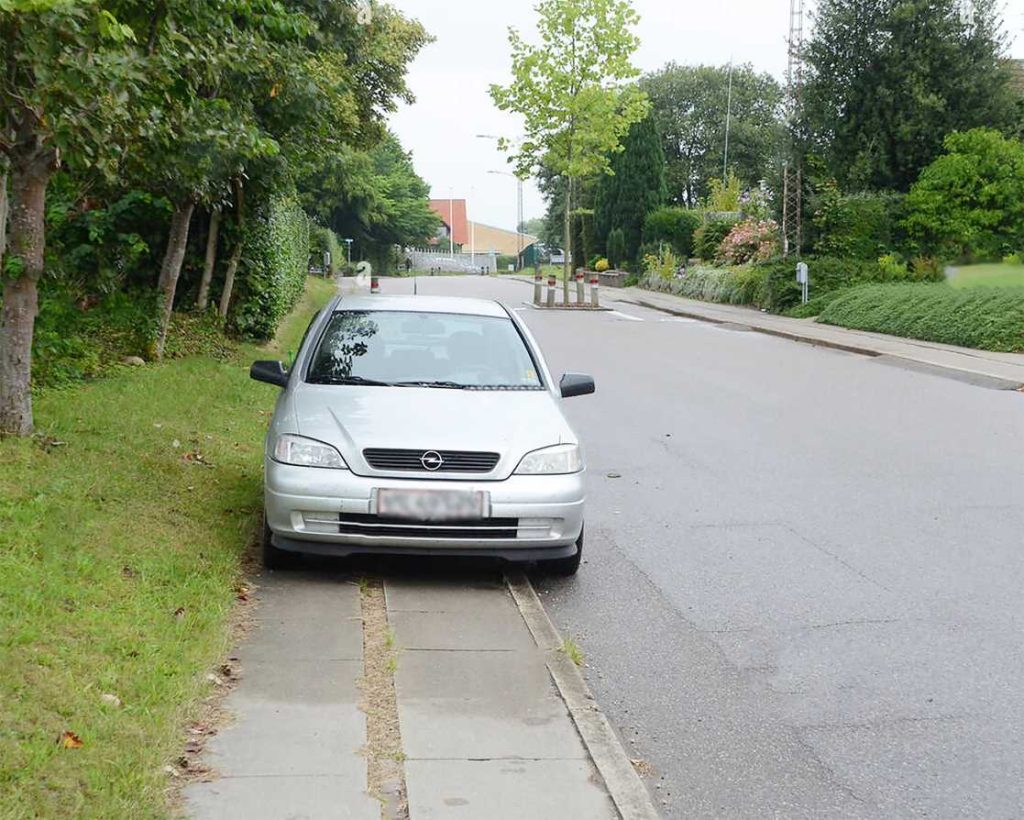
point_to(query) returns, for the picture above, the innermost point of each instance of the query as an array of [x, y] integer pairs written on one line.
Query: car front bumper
[[333, 512]]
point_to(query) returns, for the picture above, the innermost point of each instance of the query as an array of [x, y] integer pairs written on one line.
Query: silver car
[[422, 425]]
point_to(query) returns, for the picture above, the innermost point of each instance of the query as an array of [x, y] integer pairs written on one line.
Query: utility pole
[[792, 170], [451, 223], [728, 117]]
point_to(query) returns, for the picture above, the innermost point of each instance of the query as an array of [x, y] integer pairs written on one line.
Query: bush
[[709, 237], [272, 273], [616, 247], [674, 226], [601, 265], [504, 260], [987, 318], [737, 286], [323, 240], [858, 226], [751, 240], [828, 274], [969, 203]]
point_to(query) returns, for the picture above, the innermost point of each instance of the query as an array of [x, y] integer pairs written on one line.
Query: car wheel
[[563, 567], [274, 558]]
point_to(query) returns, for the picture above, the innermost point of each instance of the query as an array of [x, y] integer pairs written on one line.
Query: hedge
[[986, 318], [323, 239], [708, 237], [735, 286], [862, 226], [673, 225], [272, 274]]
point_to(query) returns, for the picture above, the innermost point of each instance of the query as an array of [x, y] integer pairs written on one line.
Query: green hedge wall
[[734, 286], [272, 274], [986, 318]]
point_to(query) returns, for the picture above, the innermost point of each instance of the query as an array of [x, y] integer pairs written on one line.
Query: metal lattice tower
[[792, 169]]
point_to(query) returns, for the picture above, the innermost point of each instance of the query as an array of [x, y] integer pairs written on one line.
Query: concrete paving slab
[[505, 790], [436, 595], [321, 639], [271, 739], [469, 675], [274, 798], [306, 597], [500, 629], [486, 729], [300, 682]]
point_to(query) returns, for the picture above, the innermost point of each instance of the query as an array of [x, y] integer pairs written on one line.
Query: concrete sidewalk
[[484, 732], [999, 370]]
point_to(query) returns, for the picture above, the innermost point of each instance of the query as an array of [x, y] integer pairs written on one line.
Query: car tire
[[563, 567], [274, 558]]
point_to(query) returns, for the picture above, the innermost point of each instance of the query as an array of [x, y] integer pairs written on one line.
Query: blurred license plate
[[432, 505]]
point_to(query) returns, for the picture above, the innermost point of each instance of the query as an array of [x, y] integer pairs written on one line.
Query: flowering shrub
[[753, 240], [663, 264], [601, 265]]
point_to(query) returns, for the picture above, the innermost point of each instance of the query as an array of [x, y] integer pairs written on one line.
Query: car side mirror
[[576, 384], [269, 372]]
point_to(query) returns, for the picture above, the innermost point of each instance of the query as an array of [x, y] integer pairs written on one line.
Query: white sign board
[[801, 272]]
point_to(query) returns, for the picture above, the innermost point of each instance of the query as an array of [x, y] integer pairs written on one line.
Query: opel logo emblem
[[431, 460]]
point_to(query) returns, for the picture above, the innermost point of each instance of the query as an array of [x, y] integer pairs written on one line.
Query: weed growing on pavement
[[572, 651]]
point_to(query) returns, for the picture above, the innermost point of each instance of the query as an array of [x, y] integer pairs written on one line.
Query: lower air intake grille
[[380, 527]]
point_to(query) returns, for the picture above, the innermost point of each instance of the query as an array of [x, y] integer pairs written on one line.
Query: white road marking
[[625, 316]]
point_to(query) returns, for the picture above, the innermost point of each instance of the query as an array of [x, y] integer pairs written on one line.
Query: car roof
[[422, 304]]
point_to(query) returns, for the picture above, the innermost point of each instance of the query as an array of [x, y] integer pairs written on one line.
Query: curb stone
[[627, 791]]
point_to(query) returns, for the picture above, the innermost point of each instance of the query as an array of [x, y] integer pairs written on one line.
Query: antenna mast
[[792, 171]]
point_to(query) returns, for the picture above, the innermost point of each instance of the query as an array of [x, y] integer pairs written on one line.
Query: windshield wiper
[[427, 383], [348, 380]]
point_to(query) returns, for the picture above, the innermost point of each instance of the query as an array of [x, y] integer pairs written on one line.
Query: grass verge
[[990, 276], [985, 318], [122, 529]]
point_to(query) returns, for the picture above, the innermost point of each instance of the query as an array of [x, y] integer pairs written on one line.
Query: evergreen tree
[[635, 187], [889, 79]]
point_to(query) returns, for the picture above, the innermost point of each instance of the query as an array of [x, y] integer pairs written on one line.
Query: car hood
[[352, 418]]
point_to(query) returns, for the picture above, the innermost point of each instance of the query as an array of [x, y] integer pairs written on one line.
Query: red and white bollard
[[538, 285], [374, 284], [579, 287], [593, 290], [551, 291]]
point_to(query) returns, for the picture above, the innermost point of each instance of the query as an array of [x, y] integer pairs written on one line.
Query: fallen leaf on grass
[[212, 678], [175, 444], [179, 613], [127, 571], [69, 740], [172, 771], [113, 700], [195, 457], [226, 671]]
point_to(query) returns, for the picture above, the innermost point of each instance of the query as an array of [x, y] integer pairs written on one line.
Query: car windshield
[[443, 350]]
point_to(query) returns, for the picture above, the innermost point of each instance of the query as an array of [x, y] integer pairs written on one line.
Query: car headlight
[[307, 452], [556, 460]]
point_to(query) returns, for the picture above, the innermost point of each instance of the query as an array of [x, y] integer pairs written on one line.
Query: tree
[[66, 81], [634, 188], [689, 109], [969, 202], [616, 244], [374, 197], [572, 94], [888, 79]]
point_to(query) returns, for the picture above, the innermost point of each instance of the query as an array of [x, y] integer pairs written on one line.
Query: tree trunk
[[170, 270], [3, 216], [30, 174], [567, 265], [211, 259], [236, 252]]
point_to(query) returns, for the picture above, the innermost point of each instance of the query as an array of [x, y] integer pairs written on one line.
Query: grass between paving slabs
[[122, 529]]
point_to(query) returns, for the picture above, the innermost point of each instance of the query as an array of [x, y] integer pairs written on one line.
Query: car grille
[[379, 526], [452, 461]]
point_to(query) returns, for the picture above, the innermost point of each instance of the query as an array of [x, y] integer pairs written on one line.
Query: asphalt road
[[804, 583]]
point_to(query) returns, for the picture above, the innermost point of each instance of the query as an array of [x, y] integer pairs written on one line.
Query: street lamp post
[[349, 243], [519, 216]]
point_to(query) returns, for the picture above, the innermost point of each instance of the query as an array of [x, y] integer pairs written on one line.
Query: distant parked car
[[422, 425]]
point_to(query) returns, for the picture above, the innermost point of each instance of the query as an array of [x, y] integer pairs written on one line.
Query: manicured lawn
[[995, 275], [122, 529]]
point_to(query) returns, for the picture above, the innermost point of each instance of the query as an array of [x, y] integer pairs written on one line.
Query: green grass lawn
[[122, 529], [994, 275]]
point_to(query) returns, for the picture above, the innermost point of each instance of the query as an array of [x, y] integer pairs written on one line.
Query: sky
[[450, 78]]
